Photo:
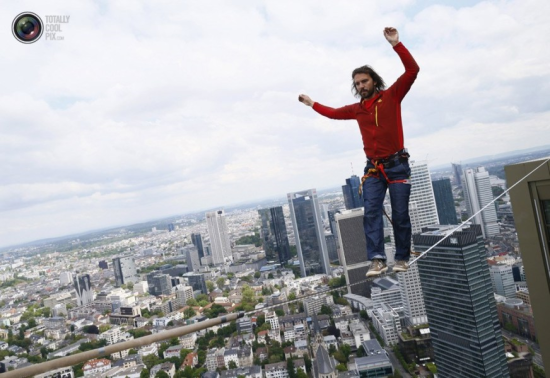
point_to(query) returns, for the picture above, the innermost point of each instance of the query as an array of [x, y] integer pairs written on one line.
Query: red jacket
[[380, 117]]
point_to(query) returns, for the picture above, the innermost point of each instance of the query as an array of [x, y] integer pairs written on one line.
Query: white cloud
[[152, 109]]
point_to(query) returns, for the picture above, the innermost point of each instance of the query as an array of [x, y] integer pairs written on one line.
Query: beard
[[366, 94]]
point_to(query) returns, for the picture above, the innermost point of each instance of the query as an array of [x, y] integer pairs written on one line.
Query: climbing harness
[[381, 164]]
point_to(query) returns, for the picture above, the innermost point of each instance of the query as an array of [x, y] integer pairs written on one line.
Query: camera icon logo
[[27, 27]]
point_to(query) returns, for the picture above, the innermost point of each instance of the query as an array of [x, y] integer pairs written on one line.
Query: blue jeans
[[374, 191]]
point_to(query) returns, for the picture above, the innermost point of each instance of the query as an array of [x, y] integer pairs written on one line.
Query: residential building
[[64, 372], [386, 321], [309, 232], [248, 372], [477, 194], [279, 369], [443, 193], [274, 235], [96, 366], [219, 237], [460, 303], [244, 325], [375, 363]]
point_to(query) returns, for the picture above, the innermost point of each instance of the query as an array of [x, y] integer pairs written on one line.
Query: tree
[[279, 312], [144, 373], [210, 286], [232, 365], [257, 275], [162, 374], [326, 310], [91, 329], [220, 282], [189, 313], [301, 374], [191, 302], [290, 368], [307, 362]]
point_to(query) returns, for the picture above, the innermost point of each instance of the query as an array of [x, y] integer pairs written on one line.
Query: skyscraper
[[478, 193], [531, 206], [423, 212], [460, 303], [309, 232], [83, 288], [196, 239], [219, 236], [352, 199], [444, 201], [353, 250], [159, 283], [125, 270], [192, 258], [457, 173], [502, 279], [274, 235]]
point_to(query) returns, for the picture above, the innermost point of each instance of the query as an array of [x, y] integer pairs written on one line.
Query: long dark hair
[[379, 84]]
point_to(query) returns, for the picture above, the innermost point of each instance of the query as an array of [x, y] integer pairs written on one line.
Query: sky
[[151, 109]]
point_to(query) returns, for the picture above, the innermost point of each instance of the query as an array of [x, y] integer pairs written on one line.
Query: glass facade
[[352, 200], [274, 235], [444, 201], [309, 232], [460, 303]]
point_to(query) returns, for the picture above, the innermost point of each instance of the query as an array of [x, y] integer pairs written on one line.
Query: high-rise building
[[192, 258], [352, 200], [444, 201], [332, 221], [219, 236], [478, 193], [274, 235], [423, 212], [159, 283], [460, 303], [353, 250], [457, 174], [309, 232], [125, 270], [65, 278], [83, 288], [196, 239], [531, 207], [332, 248], [196, 281], [502, 279], [170, 227]]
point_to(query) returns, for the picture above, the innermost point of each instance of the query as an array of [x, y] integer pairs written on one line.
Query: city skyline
[[136, 137]]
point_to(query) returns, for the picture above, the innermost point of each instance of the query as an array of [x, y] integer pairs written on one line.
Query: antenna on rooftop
[[351, 163]]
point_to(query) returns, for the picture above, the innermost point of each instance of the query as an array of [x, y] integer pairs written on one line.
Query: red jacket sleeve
[[405, 81], [346, 112]]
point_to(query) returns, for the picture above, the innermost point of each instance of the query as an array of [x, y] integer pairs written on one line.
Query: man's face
[[364, 85]]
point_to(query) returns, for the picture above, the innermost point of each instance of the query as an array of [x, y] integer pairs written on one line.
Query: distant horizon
[[240, 204]]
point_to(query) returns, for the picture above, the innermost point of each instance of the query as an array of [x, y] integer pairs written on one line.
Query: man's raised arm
[[345, 112], [406, 80]]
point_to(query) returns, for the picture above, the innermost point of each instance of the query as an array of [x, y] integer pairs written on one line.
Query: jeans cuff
[[378, 257]]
